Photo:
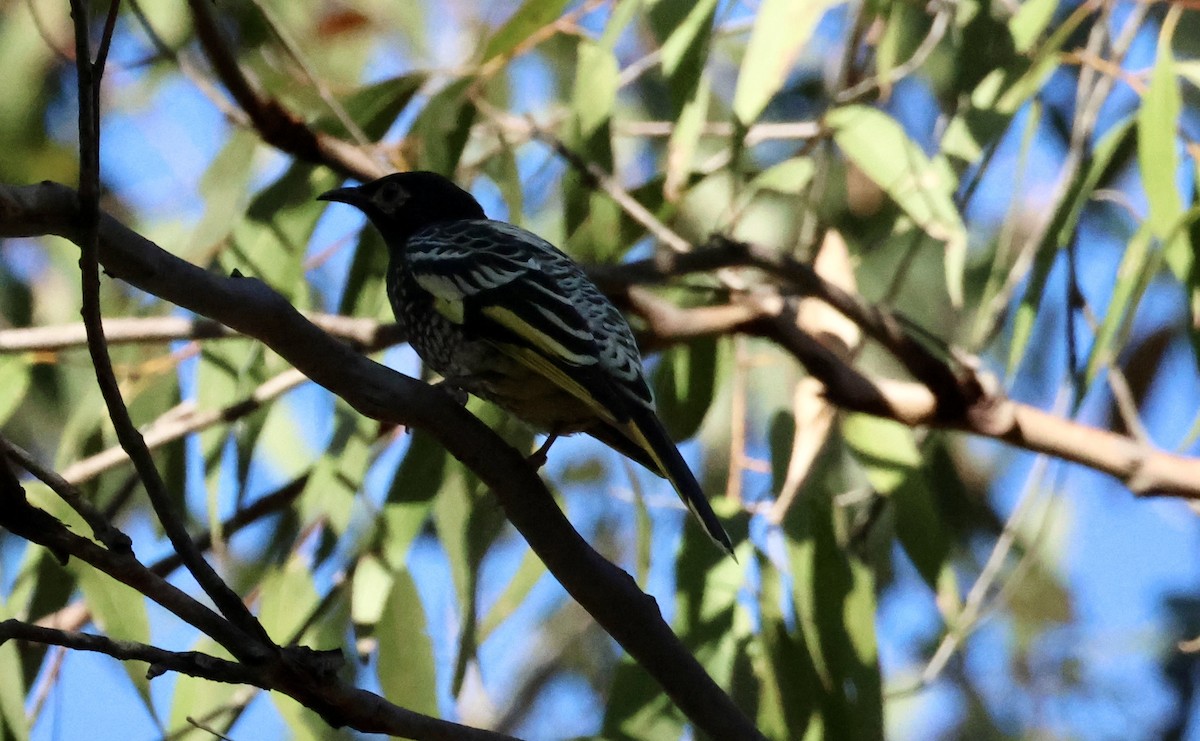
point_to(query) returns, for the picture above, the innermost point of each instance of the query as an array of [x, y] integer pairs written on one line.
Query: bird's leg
[[538, 459]]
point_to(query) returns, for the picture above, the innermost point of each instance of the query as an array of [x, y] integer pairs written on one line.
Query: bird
[[503, 314]]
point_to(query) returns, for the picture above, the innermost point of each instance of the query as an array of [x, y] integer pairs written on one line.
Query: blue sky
[[1119, 556]]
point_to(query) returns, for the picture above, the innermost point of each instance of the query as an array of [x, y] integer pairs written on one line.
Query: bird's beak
[[351, 195]]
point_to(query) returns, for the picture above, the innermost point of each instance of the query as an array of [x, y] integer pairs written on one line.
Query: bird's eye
[[390, 197]]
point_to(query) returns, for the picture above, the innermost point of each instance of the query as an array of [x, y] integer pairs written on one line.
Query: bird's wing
[[513, 289]]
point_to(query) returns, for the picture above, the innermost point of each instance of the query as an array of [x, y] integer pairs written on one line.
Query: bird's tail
[[648, 433]]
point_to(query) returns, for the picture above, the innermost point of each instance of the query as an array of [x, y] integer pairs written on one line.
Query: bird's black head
[[404, 202]]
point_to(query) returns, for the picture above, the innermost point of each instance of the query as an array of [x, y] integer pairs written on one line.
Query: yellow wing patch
[[447, 297], [551, 372], [543, 367], [543, 341]]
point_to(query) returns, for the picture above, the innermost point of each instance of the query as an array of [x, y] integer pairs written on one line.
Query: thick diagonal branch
[[252, 308]]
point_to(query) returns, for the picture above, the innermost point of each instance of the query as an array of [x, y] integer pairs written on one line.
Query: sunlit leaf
[[1157, 122], [440, 132], [287, 599], [1138, 266], [120, 612], [781, 29], [684, 382], [924, 188], [1030, 20], [531, 16], [405, 663], [14, 379], [528, 574], [893, 464], [686, 29]]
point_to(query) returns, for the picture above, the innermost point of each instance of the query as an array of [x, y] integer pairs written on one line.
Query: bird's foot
[[539, 456]]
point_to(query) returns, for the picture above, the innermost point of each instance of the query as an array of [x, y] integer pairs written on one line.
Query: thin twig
[[310, 677], [90, 76], [103, 530], [967, 619], [276, 125], [192, 663], [75, 615], [362, 332], [163, 432], [937, 30]]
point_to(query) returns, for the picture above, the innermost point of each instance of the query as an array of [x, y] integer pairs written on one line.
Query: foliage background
[[923, 583]]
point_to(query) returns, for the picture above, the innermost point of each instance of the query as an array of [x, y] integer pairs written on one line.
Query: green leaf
[[422, 472], [365, 292], [531, 16], [1188, 69], [1158, 148], [834, 594], [374, 107], [228, 372], [467, 526], [685, 138], [405, 663], [707, 584], [528, 574], [272, 241], [287, 600], [684, 383], [280, 442], [369, 593], [225, 188], [1109, 152], [895, 468], [338, 476], [304, 724], [1139, 264], [120, 612], [596, 80], [216, 702], [502, 169], [686, 29], [440, 132], [788, 680], [923, 188], [781, 29], [14, 379], [1030, 20], [788, 177], [13, 724]]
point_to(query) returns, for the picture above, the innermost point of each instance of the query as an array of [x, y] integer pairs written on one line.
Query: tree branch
[[276, 125], [306, 675], [255, 640], [249, 306], [75, 615], [947, 398], [103, 530], [192, 663], [359, 331]]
